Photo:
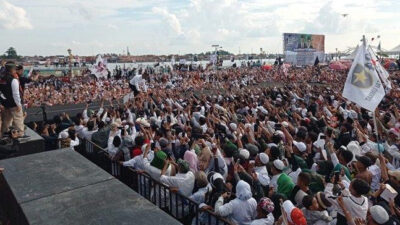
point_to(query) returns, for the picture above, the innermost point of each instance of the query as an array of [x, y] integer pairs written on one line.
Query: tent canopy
[[395, 50]]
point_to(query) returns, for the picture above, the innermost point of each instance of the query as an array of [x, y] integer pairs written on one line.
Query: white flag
[[383, 74], [363, 85], [30, 72]]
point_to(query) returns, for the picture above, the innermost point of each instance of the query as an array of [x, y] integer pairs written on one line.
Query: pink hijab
[[191, 158]]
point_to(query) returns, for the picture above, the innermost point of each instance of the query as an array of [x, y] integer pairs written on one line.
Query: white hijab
[[243, 191]]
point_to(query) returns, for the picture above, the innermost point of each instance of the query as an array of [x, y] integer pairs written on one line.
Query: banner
[[303, 49], [100, 68], [363, 85]]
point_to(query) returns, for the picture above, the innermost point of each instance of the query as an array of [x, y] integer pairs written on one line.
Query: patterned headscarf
[[266, 204]]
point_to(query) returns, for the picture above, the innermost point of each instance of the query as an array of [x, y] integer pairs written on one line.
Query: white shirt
[[274, 181], [376, 176], [294, 175], [242, 212], [85, 116], [204, 128], [138, 82], [111, 149], [183, 181], [79, 129], [81, 133], [200, 195], [88, 134], [15, 92], [138, 161], [357, 207], [101, 110], [262, 175], [74, 143], [154, 172], [264, 221], [334, 159], [304, 112]]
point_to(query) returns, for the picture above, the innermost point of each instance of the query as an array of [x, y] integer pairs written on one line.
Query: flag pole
[[364, 41], [373, 113], [376, 127]]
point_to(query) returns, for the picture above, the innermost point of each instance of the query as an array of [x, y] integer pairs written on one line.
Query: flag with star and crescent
[[363, 85]]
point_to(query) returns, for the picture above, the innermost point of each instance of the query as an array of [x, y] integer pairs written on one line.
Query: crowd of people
[[254, 146], [59, 91], [76, 90]]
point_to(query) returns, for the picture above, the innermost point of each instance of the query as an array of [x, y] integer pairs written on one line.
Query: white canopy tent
[[394, 51]]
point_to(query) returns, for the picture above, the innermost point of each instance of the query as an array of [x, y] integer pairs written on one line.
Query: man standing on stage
[[12, 102]]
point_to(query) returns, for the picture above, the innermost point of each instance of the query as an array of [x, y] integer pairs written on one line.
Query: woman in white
[[243, 209]]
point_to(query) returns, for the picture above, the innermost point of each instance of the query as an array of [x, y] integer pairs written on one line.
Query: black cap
[[364, 160]]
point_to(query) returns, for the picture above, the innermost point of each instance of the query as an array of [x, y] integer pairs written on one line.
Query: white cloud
[[13, 17], [328, 21], [112, 26], [190, 26], [81, 10], [331, 21], [224, 31], [171, 18]]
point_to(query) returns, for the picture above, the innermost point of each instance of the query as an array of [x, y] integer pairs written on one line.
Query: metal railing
[[174, 203]]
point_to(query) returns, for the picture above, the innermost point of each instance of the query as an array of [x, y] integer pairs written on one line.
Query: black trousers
[[134, 89]]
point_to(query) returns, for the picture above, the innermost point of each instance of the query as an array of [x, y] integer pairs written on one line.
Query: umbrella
[[346, 63], [266, 67], [337, 66]]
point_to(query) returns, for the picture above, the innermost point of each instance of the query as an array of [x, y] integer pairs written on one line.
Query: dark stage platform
[[33, 143], [62, 187]]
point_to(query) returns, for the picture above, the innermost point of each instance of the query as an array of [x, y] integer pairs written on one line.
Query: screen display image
[[303, 49]]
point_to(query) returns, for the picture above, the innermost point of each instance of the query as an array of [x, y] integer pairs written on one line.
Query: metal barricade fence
[[180, 207]]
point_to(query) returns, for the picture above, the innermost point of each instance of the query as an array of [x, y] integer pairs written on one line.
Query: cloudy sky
[[49, 27]]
